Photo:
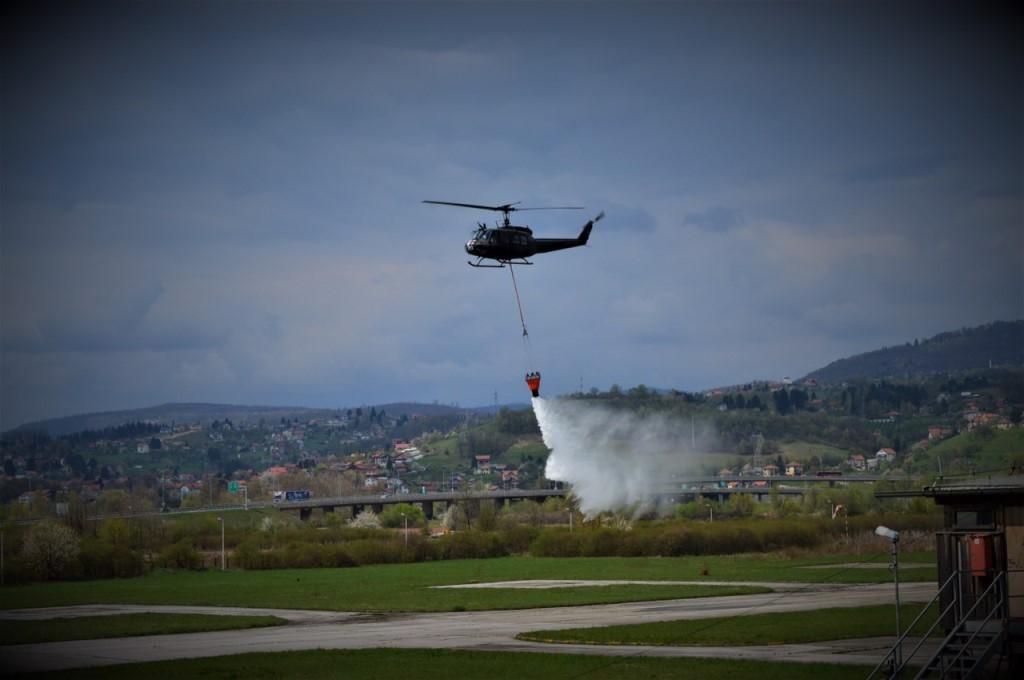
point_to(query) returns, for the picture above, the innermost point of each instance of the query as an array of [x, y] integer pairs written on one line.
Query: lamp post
[[711, 510], [405, 519], [894, 538], [222, 565]]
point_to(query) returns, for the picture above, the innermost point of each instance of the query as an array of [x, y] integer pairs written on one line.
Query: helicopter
[[509, 244]]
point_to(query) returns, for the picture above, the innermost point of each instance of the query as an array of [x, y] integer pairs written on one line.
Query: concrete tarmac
[[486, 630]]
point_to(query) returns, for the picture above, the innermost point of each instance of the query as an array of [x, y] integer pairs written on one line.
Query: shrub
[[180, 555], [250, 555], [518, 538], [466, 545], [100, 559], [556, 542], [372, 551]]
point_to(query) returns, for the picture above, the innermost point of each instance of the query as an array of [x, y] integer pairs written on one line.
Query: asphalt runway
[[485, 630]]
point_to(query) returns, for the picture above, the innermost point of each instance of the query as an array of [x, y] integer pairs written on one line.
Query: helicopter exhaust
[[533, 382]]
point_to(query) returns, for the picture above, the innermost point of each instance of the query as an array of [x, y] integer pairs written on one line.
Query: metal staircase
[[978, 633]]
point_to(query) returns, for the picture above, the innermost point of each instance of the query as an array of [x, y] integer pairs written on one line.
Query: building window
[[977, 518]]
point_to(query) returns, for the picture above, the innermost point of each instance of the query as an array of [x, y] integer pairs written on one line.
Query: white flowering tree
[[367, 519], [51, 549]]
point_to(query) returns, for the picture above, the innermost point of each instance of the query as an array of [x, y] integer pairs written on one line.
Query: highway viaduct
[[499, 498], [679, 490]]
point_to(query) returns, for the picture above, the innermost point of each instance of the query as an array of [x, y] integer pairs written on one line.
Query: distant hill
[[207, 413], [997, 344], [491, 410]]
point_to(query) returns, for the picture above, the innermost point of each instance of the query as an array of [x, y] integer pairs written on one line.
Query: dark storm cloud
[[895, 169]]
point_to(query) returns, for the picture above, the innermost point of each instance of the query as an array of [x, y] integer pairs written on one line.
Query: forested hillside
[[996, 344]]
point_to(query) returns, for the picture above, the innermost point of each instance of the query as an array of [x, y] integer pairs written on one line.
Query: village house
[[482, 464], [936, 433], [770, 470], [857, 462], [794, 469]]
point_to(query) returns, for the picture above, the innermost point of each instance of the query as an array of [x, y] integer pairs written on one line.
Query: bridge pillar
[[305, 513], [428, 509], [356, 509], [499, 503], [378, 508]]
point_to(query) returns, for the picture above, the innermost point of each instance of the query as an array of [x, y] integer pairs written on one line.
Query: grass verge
[[421, 664], [124, 625], [406, 587], [756, 629]]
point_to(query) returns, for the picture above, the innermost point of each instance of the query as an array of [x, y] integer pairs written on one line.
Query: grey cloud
[[716, 219], [895, 168]]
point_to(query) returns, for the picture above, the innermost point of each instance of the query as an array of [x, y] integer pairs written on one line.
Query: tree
[[454, 518], [741, 505], [781, 398], [115, 532], [367, 519], [51, 550], [392, 516]]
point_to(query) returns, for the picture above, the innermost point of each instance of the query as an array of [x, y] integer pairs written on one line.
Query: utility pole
[[223, 566]]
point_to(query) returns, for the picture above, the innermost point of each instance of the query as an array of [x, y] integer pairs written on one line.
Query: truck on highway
[[301, 495]]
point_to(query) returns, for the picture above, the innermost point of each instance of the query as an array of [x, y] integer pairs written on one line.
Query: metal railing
[[998, 591], [891, 660]]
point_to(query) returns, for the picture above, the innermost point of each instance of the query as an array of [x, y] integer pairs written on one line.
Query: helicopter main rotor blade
[[507, 208], [499, 208]]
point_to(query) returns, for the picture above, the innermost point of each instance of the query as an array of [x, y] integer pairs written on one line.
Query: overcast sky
[[221, 201]]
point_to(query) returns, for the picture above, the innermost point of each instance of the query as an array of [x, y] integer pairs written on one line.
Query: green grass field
[[755, 629], [983, 450], [416, 664], [803, 452], [124, 625], [405, 587]]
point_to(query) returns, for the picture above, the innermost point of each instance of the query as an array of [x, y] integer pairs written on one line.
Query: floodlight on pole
[[894, 537], [886, 532]]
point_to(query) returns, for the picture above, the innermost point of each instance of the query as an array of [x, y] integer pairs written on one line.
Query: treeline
[[52, 550], [127, 431]]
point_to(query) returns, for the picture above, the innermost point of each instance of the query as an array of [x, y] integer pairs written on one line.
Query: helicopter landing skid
[[501, 264]]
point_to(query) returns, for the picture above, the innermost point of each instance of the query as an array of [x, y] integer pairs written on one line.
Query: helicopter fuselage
[[507, 243], [511, 243]]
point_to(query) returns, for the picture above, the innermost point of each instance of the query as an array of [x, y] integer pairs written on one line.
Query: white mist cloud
[[614, 460]]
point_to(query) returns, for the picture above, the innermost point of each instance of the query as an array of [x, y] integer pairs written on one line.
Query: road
[[486, 630]]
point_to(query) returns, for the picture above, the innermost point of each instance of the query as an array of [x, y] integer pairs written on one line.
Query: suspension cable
[[519, 303]]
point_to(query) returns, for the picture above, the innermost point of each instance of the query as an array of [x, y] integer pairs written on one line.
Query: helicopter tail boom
[[585, 234]]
